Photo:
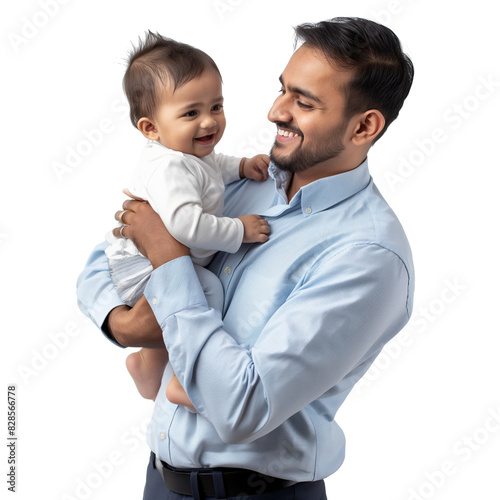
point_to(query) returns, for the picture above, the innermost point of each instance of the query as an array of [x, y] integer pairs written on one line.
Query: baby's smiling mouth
[[205, 140]]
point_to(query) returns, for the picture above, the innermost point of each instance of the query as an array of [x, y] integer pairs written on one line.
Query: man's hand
[[145, 228], [256, 229], [255, 168], [136, 326]]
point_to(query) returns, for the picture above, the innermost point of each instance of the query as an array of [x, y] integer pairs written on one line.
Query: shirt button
[[155, 301], [228, 270], [163, 435], [308, 210]]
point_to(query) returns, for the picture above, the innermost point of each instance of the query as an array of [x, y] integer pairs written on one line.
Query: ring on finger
[[121, 231], [120, 216]]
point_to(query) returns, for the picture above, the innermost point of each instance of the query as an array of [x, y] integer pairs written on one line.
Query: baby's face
[[191, 119]]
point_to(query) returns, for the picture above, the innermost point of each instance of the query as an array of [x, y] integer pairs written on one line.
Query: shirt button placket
[[226, 274], [230, 265]]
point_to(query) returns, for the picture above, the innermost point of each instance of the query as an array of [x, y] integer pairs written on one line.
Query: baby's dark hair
[[155, 61]]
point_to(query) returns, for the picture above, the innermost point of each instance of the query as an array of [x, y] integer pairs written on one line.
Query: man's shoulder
[[388, 230], [364, 219]]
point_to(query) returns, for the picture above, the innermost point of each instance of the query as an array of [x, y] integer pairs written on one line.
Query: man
[[305, 313]]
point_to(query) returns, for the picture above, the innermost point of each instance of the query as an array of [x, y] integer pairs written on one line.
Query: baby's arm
[[176, 194]]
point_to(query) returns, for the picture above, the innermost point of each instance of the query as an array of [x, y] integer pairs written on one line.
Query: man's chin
[[276, 159], [282, 162]]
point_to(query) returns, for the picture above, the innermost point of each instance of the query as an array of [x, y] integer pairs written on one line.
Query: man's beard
[[322, 149]]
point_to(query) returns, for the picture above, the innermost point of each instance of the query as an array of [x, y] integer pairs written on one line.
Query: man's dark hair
[[155, 61], [382, 73]]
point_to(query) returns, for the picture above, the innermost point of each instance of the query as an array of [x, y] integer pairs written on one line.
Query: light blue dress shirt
[[305, 314]]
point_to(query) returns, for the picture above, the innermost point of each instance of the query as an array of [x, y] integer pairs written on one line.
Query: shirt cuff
[[107, 332], [99, 314], [96, 294], [174, 287]]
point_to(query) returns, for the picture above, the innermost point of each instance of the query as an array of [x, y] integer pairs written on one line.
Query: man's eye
[[303, 105], [281, 91]]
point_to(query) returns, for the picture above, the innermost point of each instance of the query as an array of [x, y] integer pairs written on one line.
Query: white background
[[431, 402]]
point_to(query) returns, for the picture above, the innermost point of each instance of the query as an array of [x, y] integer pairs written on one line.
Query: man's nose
[[280, 111]]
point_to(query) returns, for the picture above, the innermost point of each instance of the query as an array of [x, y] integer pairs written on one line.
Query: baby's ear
[[148, 129]]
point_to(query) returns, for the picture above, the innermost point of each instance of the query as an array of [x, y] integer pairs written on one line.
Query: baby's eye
[[191, 113], [217, 107]]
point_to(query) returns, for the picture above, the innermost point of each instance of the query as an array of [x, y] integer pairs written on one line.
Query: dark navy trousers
[[155, 489]]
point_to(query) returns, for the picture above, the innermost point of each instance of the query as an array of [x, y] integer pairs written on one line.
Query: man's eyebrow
[[303, 92]]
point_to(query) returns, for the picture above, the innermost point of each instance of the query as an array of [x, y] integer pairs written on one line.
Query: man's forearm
[[136, 326]]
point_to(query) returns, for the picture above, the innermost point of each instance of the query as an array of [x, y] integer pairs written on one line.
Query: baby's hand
[[255, 168], [256, 229]]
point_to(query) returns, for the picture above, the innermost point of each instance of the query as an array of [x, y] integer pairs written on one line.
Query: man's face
[[309, 112], [191, 119]]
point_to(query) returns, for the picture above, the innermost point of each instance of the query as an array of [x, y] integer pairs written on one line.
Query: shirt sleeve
[[96, 294], [175, 193], [229, 166], [339, 316]]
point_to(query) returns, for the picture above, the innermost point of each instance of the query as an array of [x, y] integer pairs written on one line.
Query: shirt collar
[[323, 193]]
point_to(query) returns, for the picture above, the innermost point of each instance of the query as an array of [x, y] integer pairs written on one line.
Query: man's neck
[[301, 179]]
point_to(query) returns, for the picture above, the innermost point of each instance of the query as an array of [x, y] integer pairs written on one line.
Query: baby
[[175, 96]]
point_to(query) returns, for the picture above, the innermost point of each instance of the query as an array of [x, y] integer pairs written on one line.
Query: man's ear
[[148, 129], [367, 127]]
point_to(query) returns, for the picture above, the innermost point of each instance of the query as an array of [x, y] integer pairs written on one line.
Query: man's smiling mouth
[[287, 133]]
